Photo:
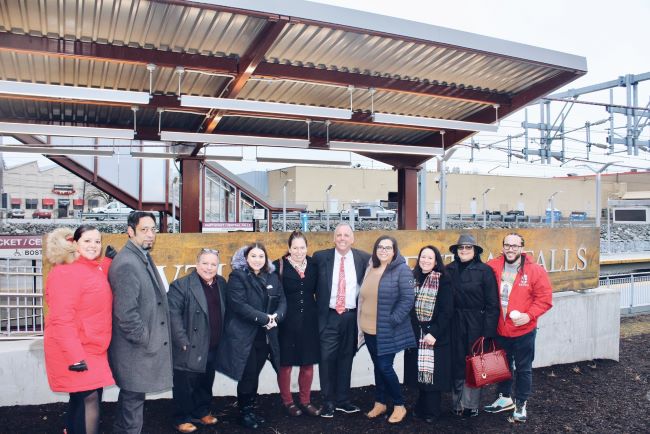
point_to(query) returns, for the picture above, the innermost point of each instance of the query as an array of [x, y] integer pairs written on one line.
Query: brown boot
[[377, 410], [399, 413]]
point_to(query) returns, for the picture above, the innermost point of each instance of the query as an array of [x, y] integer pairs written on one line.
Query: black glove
[[79, 366], [110, 252]]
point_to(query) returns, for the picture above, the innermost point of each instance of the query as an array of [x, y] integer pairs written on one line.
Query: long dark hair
[[257, 245], [81, 230], [438, 267], [375, 258]]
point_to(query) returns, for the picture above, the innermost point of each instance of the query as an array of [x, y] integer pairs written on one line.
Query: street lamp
[[598, 173], [284, 205], [446, 155], [327, 205], [485, 206], [550, 202]]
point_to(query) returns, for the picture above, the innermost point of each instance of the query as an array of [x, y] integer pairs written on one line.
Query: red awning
[[77, 202], [47, 202], [16, 201]]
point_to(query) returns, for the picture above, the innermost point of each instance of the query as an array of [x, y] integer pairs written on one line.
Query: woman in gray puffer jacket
[[385, 301]]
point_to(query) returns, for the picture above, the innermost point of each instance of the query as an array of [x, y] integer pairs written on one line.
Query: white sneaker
[[519, 415], [502, 403]]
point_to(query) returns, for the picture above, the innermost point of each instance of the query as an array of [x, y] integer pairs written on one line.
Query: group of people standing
[[113, 323]]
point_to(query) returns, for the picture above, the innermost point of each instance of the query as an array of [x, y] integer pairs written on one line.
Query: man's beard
[[517, 258]]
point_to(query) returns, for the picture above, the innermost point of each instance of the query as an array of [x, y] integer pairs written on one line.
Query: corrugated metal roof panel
[[305, 44], [138, 23]]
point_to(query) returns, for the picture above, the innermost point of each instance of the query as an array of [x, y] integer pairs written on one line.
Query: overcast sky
[[611, 35]]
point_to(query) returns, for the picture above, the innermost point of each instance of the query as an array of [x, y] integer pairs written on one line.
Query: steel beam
[[190, 193], [248, 63], [407, 201]]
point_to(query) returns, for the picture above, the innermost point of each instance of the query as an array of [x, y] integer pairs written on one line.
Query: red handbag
[[483, 368]]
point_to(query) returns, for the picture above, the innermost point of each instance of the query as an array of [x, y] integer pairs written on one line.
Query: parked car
[[578, 216], [371, 212], [513, 215], [113, 210], [42, 214], [16, 214]]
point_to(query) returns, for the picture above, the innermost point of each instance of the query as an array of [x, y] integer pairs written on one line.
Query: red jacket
[[78, 325], [531, 294]]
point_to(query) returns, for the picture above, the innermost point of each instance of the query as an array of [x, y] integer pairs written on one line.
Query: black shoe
[[260, 419], [470, 412], [247, 418], [457, 413], [328, 410], [347, 407]]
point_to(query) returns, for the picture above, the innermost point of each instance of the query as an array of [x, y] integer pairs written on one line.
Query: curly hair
[[60, 246]]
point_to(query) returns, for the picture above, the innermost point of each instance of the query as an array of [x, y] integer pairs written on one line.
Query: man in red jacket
[[526, 294]]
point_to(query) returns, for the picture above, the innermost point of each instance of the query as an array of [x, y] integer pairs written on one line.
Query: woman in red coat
[[78, 323]]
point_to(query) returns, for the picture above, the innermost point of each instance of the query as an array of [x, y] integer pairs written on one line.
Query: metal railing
[[21, 297], [21, 314], [635, 290]]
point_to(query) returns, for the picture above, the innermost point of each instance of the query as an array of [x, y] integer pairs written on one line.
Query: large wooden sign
[[570, 255]]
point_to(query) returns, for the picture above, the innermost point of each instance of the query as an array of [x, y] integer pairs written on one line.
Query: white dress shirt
[[351, 286]]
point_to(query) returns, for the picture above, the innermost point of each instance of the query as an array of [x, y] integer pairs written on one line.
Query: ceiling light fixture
[[56, 151], [232, 139], [72, 92], [382, 148], [169, 156], [417, 121], [264, 107], [302, 161], [66, 131]]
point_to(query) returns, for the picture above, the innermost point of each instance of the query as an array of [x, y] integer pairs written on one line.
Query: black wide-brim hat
[[466, 239]]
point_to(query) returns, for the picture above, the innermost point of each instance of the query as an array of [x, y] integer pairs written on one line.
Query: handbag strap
[[477, 348]]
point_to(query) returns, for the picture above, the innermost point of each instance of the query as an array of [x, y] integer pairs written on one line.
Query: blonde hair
[[60, 248]]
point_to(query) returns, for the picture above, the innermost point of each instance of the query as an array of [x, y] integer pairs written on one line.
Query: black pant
[[130, 412], [83, 411], [193, 392], [428, 404], [247, 385], [337, 340]]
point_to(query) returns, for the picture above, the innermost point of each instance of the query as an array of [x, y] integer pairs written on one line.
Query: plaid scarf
[[425, 302], [299, 267]]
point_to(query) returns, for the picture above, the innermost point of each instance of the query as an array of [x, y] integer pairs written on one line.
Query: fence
[[21, 297], [635, 290]]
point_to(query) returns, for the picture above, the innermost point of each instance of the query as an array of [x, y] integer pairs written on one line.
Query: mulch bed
[[600, 396]]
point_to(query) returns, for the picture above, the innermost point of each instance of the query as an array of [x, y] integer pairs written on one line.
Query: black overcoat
[[476, 310], [298, 333], [247, 299], [190, 321], [440, 328]]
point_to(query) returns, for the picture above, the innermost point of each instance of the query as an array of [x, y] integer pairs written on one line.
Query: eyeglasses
[[211, 251], [385, 248], [466, 247], [511, 247]]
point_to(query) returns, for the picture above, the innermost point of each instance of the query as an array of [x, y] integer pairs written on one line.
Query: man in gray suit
[[140, 351], [340, 273]]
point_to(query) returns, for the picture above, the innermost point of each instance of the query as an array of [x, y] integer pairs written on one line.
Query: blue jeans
[[520, 352], [386, 381]]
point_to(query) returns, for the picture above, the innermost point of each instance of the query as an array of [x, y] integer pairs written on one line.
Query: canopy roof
[[287, 52]]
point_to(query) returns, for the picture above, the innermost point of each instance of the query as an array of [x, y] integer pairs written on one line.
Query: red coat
[[531, 294], [78, 325]]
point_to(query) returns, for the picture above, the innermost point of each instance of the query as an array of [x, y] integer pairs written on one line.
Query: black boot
[[260, 419], [247, 417]]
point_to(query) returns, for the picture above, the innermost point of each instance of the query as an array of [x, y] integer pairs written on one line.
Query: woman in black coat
[[299, 338], [476, 312], [428, 367], [255, 306]]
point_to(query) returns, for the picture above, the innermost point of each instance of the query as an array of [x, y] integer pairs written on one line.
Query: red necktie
[[340, 295]]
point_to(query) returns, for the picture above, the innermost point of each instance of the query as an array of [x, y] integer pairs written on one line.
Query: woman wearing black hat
[[476, 312]]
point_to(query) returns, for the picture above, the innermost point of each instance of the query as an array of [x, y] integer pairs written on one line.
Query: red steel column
[[190, 201], [407, 204]]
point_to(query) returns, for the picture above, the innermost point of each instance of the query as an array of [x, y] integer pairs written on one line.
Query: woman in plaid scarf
[[429, 365]]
